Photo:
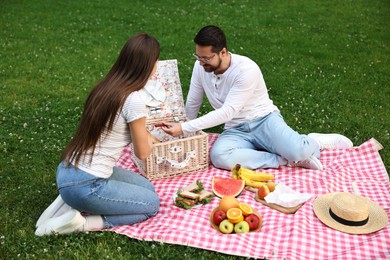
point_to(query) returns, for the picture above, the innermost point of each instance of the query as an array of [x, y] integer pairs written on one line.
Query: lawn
[[326, 64]]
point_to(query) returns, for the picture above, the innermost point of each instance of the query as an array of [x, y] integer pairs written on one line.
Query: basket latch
[[175, 164]]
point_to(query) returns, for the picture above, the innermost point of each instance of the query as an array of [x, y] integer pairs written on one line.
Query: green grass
[[326, 64]]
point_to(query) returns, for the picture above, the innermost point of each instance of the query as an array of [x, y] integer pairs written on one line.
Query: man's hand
[[173, 129]]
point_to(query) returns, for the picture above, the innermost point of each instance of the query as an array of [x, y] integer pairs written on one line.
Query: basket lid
[[163, 94]]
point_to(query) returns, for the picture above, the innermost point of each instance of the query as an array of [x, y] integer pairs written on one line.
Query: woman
[[114, 115]]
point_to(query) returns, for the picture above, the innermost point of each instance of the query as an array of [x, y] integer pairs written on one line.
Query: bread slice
[[191, 187], [188, 194], [204, 194]]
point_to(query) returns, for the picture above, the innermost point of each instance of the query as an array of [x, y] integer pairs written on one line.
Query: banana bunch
[[252, 178]]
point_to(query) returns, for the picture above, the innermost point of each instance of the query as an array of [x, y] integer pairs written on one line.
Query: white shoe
[[56, 208], [311, 163], [70, 222], [331, 141]]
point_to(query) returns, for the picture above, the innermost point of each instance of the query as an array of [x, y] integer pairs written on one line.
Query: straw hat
[[350, 213]]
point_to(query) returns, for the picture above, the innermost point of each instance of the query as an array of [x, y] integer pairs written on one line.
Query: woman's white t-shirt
[[110, 146]]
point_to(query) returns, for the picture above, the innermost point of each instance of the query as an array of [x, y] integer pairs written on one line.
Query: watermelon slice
[[227, 187]]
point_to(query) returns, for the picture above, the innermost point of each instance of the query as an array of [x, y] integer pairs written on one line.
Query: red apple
[[219, 216], [262, 191], [253, 221]]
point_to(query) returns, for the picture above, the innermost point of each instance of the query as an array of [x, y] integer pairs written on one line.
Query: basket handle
[[176, 164]]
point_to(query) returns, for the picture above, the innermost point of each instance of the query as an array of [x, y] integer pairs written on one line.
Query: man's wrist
[[183, 128]]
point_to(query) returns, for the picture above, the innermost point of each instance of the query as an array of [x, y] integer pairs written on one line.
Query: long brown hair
[[129, 73]]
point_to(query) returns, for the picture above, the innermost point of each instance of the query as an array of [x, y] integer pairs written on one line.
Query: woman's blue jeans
[[123, 199], [266, 142]]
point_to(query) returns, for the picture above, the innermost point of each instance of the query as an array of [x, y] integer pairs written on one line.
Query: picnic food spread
[[233, 216], [192, 195], [304, 235], [346, 212]]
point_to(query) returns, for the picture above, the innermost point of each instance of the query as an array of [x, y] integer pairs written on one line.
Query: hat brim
[[377, 216]]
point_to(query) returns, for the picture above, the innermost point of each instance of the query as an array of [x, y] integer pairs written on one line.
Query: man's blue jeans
[[266, 142], [123, 199]]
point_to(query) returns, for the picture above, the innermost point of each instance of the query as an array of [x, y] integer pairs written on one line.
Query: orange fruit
[[245, 208], [228, 202], [234, 215]]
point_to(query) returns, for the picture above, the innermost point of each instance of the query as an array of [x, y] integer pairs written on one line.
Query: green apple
[[241, 227], [226, 227]]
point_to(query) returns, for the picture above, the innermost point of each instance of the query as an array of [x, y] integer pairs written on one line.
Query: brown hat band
[[347, 222]]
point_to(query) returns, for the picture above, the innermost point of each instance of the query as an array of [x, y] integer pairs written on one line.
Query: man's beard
[[210, 68]]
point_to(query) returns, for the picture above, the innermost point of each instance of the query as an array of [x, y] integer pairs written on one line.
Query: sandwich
[[186, 199], [194, 187], [192, 195], [205, 196]]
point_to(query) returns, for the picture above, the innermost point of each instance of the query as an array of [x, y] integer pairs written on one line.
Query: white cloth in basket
[[153, 93]]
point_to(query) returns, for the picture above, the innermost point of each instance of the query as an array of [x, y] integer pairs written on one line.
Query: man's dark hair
[[211, 35]]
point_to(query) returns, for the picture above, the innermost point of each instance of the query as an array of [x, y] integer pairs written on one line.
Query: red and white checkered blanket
[[283, 236]]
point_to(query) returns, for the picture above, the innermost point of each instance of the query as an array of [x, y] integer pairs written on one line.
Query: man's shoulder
[[243, 63], [242, 59]]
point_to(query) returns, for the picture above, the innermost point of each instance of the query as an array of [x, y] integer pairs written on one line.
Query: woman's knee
[[155, 205]]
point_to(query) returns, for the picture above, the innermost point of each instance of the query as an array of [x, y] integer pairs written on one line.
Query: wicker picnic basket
[[174, 155]]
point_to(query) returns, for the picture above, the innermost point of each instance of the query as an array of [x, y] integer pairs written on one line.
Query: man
[[255, 134]]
